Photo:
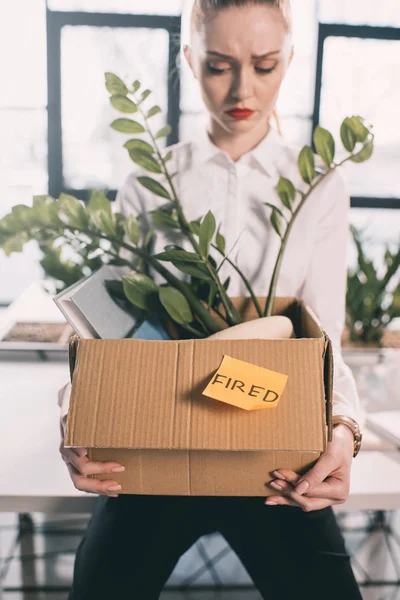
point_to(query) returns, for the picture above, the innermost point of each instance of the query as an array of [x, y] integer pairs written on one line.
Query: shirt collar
[[263, 156]]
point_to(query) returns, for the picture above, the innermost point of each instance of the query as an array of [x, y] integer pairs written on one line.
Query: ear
[[189, 57], [291, 55]]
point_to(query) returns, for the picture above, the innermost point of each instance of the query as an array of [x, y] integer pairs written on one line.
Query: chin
[[244, 126]]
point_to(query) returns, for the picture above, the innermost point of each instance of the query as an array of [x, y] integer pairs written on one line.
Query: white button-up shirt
[[315, 263]]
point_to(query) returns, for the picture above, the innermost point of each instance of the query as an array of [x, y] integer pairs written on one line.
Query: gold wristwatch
[[354, 428]]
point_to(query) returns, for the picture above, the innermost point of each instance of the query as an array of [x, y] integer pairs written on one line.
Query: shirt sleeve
[[324, 289]]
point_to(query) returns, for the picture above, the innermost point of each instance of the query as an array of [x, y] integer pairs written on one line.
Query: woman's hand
[[79, 467], [328, 481]]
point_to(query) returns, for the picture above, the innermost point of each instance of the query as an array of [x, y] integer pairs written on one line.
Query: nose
[[242, 84]]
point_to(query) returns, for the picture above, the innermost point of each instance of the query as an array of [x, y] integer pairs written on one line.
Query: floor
[[51, 555]]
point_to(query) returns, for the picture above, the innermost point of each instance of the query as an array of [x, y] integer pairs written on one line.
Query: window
[[356, 69], [56, 138]]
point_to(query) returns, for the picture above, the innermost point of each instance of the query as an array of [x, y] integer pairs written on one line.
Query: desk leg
[[27, 547]]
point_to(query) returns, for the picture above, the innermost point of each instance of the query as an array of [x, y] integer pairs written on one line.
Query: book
[[92, 312]]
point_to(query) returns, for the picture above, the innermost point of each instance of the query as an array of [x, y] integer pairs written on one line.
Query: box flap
[[328, 377], [148, 394]]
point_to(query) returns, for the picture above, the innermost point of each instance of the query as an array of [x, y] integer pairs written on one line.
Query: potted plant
[[370, 346], [198, 304]]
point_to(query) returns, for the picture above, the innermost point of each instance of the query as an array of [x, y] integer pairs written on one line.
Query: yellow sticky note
[[246, 385]]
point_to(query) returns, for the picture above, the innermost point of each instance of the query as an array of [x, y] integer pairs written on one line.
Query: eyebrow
[[254, 56]]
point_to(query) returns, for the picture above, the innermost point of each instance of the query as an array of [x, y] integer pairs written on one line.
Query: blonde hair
[[201, 8]]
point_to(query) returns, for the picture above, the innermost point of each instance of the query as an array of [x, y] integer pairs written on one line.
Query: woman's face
[[240, 56]]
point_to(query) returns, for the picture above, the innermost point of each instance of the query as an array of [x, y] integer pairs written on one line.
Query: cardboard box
[[140, 403]]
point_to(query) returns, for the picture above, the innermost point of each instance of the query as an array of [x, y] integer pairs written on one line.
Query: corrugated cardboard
[[140, 403]]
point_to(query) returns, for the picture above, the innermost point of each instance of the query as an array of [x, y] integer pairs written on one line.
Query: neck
[[236, 145]]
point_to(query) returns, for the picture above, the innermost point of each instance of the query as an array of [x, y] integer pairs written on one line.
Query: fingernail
[[278, 475], [117, 469], [114, 488], [270, 502], [113, 496], [302, 487], [276, 485]]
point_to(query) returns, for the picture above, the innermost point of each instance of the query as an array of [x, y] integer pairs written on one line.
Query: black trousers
[[133, 543]]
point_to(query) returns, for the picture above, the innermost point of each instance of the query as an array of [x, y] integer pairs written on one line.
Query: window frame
[[326, 30], [55, 21]]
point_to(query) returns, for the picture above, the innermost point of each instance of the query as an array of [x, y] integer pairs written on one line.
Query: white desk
[[33, 478]]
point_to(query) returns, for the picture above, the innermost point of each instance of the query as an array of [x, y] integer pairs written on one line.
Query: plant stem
[[245, 281], [232, 314], [274, 280], [193, 301]]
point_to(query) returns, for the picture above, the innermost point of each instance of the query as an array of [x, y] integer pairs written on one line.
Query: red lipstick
[[240, 113]]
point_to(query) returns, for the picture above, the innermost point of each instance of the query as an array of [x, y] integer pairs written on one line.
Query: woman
[[240, 52]]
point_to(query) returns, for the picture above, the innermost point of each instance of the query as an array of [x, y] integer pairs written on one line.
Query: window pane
[[93, 153], [360, 12], [150, 7], [381, 227], [297, 93], [23, 151], [358, 80], [23, 54]]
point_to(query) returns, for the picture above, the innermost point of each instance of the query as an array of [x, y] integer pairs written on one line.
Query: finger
[[80, 451], [305, 504], [88, 467], [325, 465], [94, 486], [280, 500], [331, 489], [287, 475]]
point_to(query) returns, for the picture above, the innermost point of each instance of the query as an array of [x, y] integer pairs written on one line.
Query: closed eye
[[218, 68], [264, 71]]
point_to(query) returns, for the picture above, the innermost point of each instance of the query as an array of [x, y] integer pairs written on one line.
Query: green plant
[[98, 235], [373, 300]]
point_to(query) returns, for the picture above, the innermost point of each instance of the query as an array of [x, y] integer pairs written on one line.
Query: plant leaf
[[195, 227], [365, 153], [139, 289], [144, 95], [155, 110], [72, 212], [154, 186], [136, 85], [195, 270], [168, 156], [137, 144], [306, 164], [164, 132], [145, 160], [15, 243], [276, 221], [148, 238], [132, 230], [98, 201], [324, 144], [347, 135], [115, 288], [162, 218], [123, 104], [127, 126], [179, 255], [286, 192], [207, 230], [357, 126], [115, 85], [221, 244], [175, 304]]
